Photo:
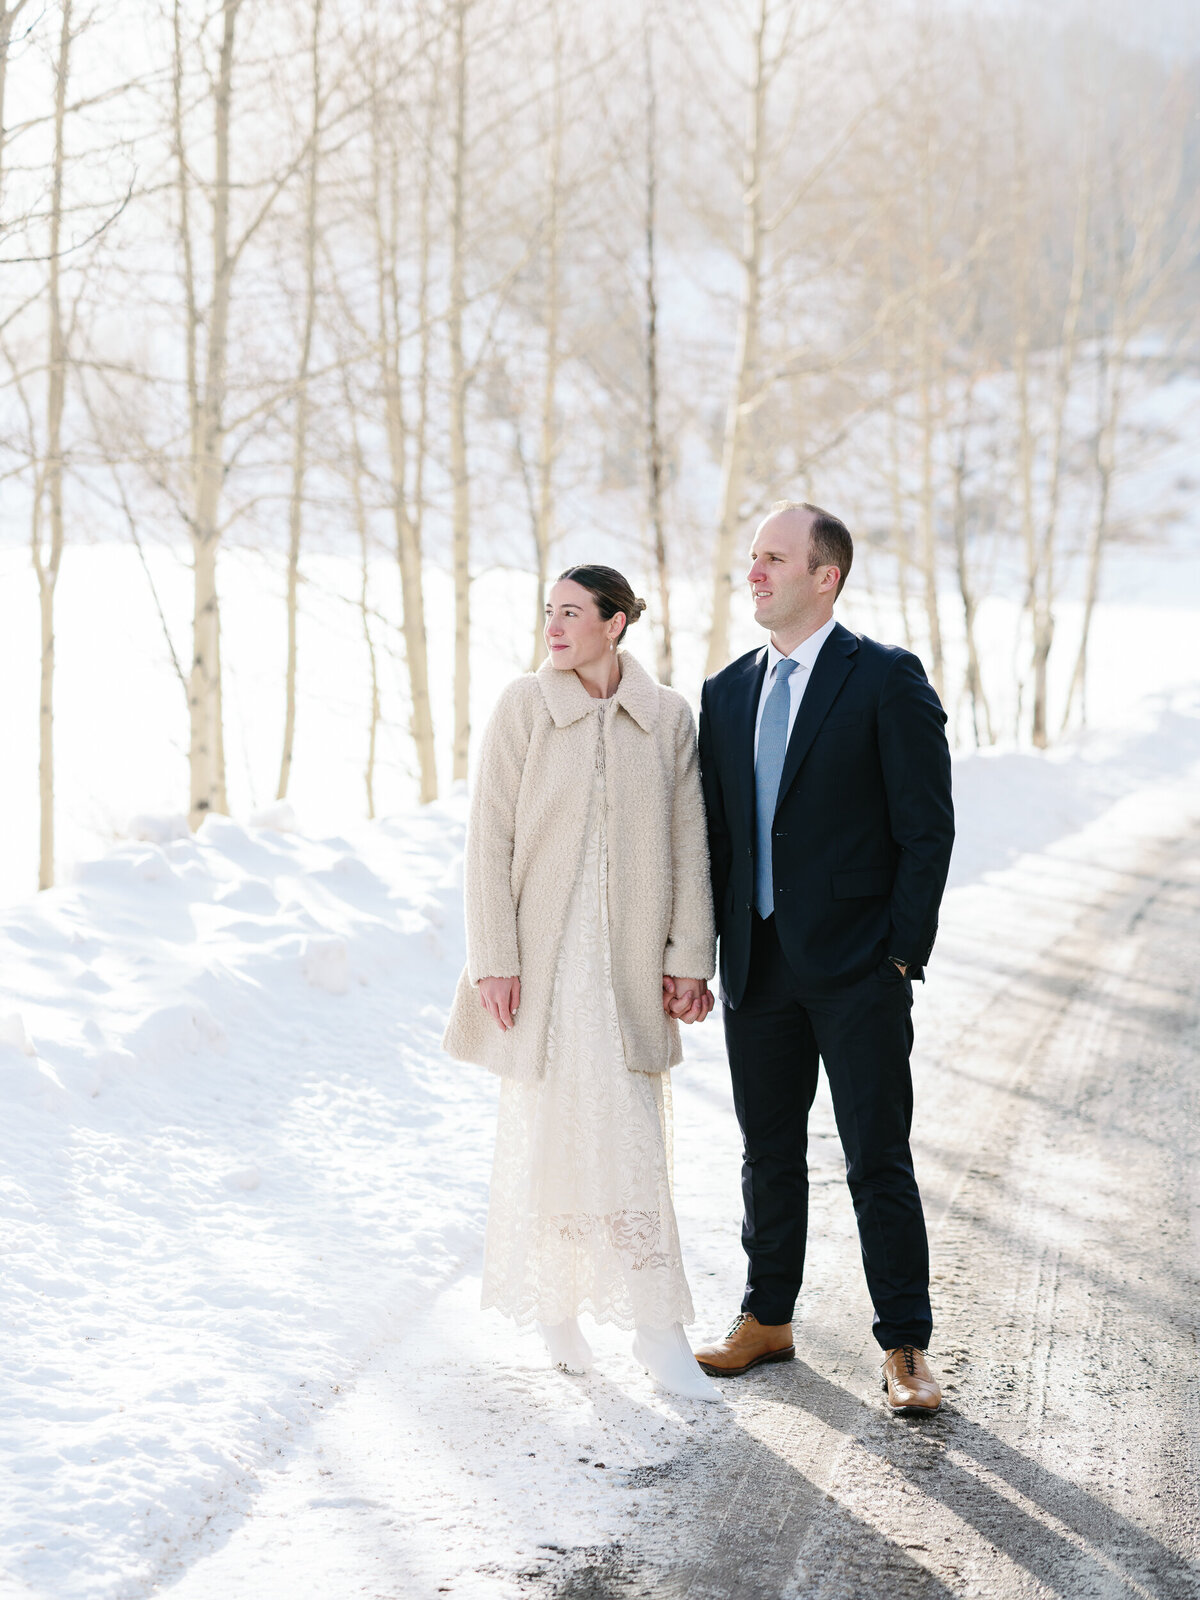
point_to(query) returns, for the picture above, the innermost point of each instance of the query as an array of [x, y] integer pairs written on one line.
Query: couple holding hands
[[810, 830]]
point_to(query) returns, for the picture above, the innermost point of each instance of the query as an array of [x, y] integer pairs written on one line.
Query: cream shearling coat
[[525, 846]]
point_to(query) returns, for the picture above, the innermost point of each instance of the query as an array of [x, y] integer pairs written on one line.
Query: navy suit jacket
[[864, 821]]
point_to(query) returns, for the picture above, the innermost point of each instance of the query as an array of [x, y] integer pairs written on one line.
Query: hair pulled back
[[609, 589]]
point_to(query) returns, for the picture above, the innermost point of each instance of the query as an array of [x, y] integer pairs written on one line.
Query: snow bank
[[218, 1076]]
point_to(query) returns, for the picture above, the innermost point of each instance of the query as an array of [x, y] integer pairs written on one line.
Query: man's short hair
[[830, 544]]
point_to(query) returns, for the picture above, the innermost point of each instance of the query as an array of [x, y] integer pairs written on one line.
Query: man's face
[[782, 588]]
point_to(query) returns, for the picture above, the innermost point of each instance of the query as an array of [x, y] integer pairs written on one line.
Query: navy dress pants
[[863, 1033]]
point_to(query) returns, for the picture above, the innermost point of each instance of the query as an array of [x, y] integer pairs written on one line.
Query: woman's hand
[[687, 999], [501, 997]]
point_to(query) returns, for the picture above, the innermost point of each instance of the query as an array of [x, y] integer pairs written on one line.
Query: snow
[[220, 1072], [237, 1171]]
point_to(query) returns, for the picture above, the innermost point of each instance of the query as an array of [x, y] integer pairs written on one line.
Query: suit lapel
[[743, 710], [830, 671]]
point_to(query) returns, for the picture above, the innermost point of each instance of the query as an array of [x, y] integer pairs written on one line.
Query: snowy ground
[[243, 1194]]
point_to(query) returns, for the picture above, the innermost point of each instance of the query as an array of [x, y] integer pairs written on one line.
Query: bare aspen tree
[[981, 716], [363, 529], [933, 274], [1023, 318], [895, 471], [913, 290], [1044, 585], [968, 339], [430, 172], [207, 356], [300, 421], [207, 404], [1153, 229], [369, 640], [972, 359], [654, 447], [928, 375], [10, 12], [1111, 378], [782, 35], [386, 209], [459, 383], [552, 313], [47, 553], [746, 376]]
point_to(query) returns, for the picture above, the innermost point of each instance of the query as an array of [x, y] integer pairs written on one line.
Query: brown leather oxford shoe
[[911, 1388], [749, 1343]]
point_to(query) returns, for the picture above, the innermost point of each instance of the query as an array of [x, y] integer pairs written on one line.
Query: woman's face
[[576, 633]]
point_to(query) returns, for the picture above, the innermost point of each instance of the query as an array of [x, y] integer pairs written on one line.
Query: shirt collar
[[805, 653]]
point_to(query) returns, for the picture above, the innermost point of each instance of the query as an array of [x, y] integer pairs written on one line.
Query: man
[[827, 780]]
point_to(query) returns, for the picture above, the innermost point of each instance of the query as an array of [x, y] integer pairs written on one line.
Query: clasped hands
[[685, 999]]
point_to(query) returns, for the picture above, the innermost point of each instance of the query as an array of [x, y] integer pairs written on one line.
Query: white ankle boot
[[567, 1346], [667, 1357]]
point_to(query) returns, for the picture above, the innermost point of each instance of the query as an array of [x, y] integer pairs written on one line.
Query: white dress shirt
[[804, 655]]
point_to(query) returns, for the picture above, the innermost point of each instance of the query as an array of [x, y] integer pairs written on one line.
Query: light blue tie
[[768, 769]]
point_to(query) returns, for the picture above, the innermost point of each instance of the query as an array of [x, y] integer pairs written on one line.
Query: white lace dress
[[581, 1216]]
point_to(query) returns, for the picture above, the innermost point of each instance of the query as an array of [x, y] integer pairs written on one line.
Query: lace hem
[[603, 1314]]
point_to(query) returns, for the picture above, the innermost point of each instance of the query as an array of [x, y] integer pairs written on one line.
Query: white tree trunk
[[10, 10], [929, 421], [47, 562], [1044, 589], [966, 588], [206, 755], [895, 472], [548, 446], [654, 449], [362, 528], [459, 480], [386, 209], [1108, 422], [300, 423], [733, 454]]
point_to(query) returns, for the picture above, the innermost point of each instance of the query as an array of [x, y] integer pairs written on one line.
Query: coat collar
[[567, 700]]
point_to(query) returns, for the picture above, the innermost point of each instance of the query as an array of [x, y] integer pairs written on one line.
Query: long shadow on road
[[1068, 1539], [759, 1527]]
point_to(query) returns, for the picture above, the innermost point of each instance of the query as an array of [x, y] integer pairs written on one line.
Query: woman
[[589, 937]]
